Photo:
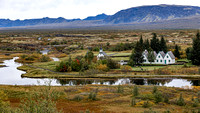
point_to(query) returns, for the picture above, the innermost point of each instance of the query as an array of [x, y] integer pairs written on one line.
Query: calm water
[[10, 75]]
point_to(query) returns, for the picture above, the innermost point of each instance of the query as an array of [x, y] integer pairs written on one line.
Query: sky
[[70, 9]]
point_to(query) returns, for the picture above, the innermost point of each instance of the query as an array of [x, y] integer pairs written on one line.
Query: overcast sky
[[26, 9]]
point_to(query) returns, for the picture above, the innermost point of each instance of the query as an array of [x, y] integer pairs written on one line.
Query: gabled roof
[[102, 52], [162, 54], [145, 53], [171, 54]]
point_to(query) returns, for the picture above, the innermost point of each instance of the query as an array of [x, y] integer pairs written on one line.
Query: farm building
[[160, 58]]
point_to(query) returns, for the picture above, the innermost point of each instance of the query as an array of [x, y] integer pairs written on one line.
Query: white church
[[160, 58]]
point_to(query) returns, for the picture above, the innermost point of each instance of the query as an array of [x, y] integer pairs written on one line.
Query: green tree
[[163, 46], [189, 53], [158, 97], [89, 56], [141, 43], [146, 44], [181, 101], [176, 51], [151, 57], [136, 56], [155, 45], [196, 50]]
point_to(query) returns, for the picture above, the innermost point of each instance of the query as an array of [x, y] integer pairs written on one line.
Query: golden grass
[[108, 100]]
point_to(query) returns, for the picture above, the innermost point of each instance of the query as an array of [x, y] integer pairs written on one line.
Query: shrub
[[166, 99], [181, 101], [92, 96], [77, 98], [63, 67], [102, 67], [195, 103], [133, 102], [146, 104], [147, 97], [126, 68], [155, 89], [135, 91], [112, 64], [120, 89], [44, 58], [158, 97]]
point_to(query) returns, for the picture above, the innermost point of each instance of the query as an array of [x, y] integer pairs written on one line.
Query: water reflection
[[10, 75]]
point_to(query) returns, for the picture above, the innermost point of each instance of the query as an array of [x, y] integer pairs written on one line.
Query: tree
[[146, 44], [155, 45], [151, 57], [89, 56], [163, 46], [189, 53], [141, 43], [176, 51], [136, 56], [135, 91], [195, 57]]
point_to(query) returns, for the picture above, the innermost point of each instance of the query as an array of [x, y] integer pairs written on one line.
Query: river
[[10, 75]]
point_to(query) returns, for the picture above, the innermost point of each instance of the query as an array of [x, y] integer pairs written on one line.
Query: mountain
[[31, 22], [153, 13], [143, 17], [98, 17]]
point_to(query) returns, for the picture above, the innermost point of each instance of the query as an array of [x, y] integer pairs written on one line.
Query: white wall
[[159, 59]]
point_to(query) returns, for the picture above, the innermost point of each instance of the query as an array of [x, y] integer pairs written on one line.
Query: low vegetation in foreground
[[99, 98]]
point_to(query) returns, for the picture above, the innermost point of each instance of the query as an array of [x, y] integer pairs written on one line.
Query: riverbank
[[37, 72], [74, 99]]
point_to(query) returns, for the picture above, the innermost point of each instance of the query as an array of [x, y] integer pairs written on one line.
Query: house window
[[160, 60], [169, 60], [157, 60], [145, 60], [158, 56], [167, 57]]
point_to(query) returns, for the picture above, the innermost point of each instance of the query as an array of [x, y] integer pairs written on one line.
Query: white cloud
[[26, 9]]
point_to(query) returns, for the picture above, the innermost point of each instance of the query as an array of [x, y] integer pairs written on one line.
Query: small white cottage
[[160, 58], [101, 54]]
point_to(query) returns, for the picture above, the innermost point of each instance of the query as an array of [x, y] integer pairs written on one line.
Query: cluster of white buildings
[[160, 58]]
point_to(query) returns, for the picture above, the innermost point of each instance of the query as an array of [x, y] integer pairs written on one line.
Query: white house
[[101, 54], [160, 58], [169, 58]]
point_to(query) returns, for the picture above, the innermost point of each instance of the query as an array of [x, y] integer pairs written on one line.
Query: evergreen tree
[[155, 45], [189, 53], [146, 44], [151, 57], [196, 50], [176, 51], [163, 46], [141, 43], [136, 56]]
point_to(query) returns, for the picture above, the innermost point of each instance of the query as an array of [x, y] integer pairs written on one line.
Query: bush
[[195, 103], [133, 102], [120, 89], [155, 89], [44, 58], [146, 104], [181, 101], [158, 97], [126, 68], [63, 67], [112, 64], [92, 96], [77, 98], [135, 91], [102, 67]]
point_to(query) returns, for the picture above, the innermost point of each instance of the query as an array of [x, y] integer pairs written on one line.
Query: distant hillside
[[153, 13], [143, 17], [98, 17], [31, 22]]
